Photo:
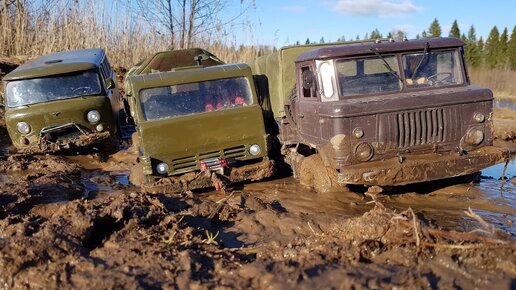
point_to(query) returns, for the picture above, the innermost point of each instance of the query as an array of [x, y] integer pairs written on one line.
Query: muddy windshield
[[432, 69], [193, 98], [56, 87], [368, 75]]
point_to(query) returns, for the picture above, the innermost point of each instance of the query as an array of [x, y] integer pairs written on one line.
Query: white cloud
[[294, 8], [383, 8]]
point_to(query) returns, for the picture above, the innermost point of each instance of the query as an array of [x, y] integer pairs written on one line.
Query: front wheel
[[314, 174]]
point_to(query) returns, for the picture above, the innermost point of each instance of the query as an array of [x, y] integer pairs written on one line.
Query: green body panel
[[56, 113], [184, 141]]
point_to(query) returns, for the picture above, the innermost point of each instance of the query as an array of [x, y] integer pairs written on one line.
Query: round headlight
[[93, 116], [255, 149], [162, 168], [363, 151], [358, 132], [23, 128], [99, 128], [474, 136], [479, 117]]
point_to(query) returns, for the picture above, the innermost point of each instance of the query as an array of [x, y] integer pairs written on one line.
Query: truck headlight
[[474, 136], [364, 151], [23, 128], [93, 116], [162, 168], [479, 117], [255, 149]]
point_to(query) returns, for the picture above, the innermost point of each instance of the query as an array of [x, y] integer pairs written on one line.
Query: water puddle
[[505, 103]]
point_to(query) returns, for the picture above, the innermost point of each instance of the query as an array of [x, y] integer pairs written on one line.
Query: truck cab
[[386, 113], [199, 127]]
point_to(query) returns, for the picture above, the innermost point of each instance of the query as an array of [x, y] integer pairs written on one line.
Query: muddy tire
[[312, 173], [136, 175], [109, 146]]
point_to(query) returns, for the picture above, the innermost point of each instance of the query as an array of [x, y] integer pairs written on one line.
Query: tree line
[[498, 51]]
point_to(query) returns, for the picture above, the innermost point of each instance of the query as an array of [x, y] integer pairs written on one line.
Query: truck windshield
[[193, 98], [437, 68], [51, 88], [368, 75]]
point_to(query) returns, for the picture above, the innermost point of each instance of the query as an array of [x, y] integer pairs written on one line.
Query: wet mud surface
[[77, 222]]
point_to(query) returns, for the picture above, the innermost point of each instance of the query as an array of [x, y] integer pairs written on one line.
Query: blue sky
[[284, 22]]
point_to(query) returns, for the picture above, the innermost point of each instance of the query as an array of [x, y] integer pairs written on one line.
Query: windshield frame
[[57, 80], [202, 94]]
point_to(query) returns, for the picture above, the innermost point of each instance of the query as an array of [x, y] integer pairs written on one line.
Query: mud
[[44, 146], [77, 222], [505, 126]]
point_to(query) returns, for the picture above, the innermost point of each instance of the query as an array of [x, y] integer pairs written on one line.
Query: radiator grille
[[192, 162], [421, 127]]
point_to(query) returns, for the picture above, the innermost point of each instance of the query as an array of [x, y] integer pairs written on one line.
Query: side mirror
[[110, 84]]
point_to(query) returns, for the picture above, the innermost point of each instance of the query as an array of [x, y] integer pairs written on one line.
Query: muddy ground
[[76, 222]]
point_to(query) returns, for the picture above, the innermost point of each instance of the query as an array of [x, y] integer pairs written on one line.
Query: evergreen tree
[[418, 36], [435, 29], [358, 37], [375, 34], [492, 48], [502, 49], [389, 36], [454, 31], [424, 34], [472, 54], [366, 36], [297, 42], [511, 50], [307, 41], [322, 40]]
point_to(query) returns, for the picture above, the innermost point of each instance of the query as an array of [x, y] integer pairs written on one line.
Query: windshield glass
[[368, 75], [56, 87], [433, 69], [193, 98]]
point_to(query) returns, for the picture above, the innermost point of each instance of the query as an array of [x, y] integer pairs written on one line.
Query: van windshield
[[193, 98], [51, 88]]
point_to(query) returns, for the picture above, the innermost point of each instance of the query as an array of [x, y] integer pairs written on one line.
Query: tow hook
[[461, 151]]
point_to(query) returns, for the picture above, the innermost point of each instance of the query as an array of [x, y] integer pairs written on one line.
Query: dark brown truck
[[378, 113]]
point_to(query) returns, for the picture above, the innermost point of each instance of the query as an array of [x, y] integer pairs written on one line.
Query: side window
[[308, 81]]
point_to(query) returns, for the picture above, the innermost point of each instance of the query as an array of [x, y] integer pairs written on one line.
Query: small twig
[[494, 231], [469, 246], [416, 228], [504, 178]]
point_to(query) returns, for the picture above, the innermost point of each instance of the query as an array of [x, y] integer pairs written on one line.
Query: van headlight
[[255, 149], [23, 128], [162, 168], [93, 116]]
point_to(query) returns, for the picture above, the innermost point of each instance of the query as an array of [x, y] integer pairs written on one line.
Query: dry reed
[[33, 28], [501, 82]]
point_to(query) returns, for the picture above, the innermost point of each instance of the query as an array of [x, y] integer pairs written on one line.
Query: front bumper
[[208, 178], [44, 146], [407, 169]]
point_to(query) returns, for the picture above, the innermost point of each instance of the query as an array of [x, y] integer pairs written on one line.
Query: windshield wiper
[[387, 65], [425, 53]]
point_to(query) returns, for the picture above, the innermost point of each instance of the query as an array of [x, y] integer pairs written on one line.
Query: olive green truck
[[377, 113], [198, 123]]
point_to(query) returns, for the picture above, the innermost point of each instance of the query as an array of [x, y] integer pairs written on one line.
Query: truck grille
[[421, 127], [192, 162]]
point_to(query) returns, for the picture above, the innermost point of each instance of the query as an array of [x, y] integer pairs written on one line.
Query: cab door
[[308, 106]]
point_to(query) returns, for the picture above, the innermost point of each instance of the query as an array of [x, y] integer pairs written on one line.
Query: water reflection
[[505, 103]]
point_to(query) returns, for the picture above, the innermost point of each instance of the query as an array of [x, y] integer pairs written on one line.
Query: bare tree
[[186, 20]]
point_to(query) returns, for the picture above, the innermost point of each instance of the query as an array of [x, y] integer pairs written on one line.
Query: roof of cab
[[189, 75], [58, 63], [167, 60], [355, 49]]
